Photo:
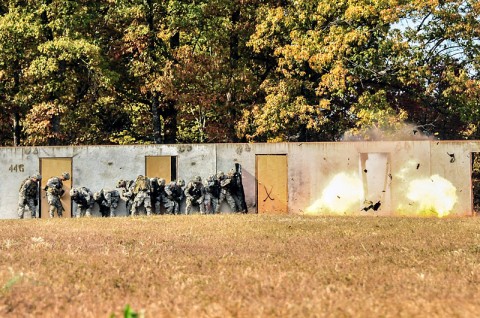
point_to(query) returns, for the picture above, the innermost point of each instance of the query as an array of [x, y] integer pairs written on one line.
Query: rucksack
[[141, 184], [22, 184]]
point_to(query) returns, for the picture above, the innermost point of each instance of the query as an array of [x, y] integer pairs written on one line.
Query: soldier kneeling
[[107, 200], [83, 197], [195, 194]]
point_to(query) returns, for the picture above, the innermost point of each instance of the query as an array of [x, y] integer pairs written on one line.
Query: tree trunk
[[169, 114], [55, 120], [16, 129], [157, 129], [233, 59]]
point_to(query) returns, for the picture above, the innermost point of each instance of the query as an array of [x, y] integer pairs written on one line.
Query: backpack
[[142, 183], [22, 184]]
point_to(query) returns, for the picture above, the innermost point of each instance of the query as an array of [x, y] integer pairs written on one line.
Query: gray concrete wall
[[323, 178]]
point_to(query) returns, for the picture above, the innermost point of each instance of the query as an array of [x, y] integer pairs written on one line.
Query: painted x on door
[[54, 167], [272, 192]]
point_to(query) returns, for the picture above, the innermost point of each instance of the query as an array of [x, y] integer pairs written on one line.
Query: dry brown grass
[[241, 266]]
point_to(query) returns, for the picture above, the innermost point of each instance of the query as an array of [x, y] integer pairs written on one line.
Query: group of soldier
[[153, 195]]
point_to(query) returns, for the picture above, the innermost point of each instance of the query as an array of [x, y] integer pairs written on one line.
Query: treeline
[[147, 71]]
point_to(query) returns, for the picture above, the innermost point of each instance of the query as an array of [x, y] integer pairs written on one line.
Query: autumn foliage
[[150, 71]]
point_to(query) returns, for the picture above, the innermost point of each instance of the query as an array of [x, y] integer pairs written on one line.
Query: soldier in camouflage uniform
[[173, 196], [83, 197], [225, 191], [126, 187], [107, 200], [195, 195], [141, 190], [154, 193], [236, 190], [160, 195], [55, 191], [28, 196], [212, 193]]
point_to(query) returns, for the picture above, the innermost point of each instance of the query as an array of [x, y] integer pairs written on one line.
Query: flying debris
[[452, 157], [372, 206]]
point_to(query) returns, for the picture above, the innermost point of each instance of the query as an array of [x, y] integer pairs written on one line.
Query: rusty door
[[54, 167], [272, 189], [161, 167]]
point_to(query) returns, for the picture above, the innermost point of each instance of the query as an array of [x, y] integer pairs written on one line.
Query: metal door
[[272, 188], [161, 167], [54, 167]]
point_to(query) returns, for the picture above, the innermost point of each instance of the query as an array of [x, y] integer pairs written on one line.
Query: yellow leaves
[[360, 11], [284, 111], [335, 80], [377, 119], [325, 104]]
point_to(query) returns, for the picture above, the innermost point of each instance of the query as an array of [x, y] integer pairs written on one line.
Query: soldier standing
[[55, 191], [107, 201], [127, 193], [141, 190], [195, 195], [173, 196], [28, 196], [154, 193], [83, 197], [160, 195], [212, 193], [238, 192], [226, 191]]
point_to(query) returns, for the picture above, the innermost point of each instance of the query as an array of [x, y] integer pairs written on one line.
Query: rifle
[[238, 173]]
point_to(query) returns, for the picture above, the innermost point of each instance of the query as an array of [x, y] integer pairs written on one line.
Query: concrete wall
[[323, 178]]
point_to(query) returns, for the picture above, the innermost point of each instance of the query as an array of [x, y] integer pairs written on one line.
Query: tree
[[332, 57], [19, 31]]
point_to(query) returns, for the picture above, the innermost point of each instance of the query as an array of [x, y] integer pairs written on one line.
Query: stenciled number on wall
[[17, 168]]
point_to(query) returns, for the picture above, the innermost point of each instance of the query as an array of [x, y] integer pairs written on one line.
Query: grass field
[[241, 266]]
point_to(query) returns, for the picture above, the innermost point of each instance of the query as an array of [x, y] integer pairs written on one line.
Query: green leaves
[[150, 71]]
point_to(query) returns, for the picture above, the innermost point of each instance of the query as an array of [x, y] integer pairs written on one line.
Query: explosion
[[435, 196], [342, 193]]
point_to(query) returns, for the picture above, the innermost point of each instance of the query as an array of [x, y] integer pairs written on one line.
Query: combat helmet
[[180, 182], [161, 181], [66, 176], [73, 192], [97, 196], [197, 179], [220, 174], [36, 176]]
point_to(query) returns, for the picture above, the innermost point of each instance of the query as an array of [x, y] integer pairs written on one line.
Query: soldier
[[173, 196], [212, 193], [83, 197], [127, 193], [160, 195], [225, 193], [107, 201], [141, 190], [195, 195], [237, 191], [28, 196], [154, 194], [55, 191]]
